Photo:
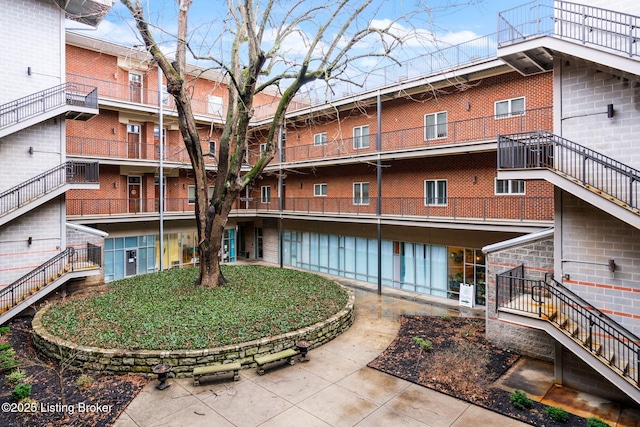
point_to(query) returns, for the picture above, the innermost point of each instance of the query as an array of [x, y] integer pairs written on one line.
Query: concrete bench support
[[216, 369], [275, 357]]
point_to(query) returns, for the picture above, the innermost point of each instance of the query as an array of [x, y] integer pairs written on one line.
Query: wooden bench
[[216, 369], [275, 357]]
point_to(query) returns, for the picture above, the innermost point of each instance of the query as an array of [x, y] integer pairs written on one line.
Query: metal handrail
[[514, 208], [66, 261], [585, 324], [69, 93], [68, 172], [586, 24], [593, 169]]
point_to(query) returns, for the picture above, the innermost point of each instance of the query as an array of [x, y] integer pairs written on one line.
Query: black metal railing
[[515, 208], [66, 173], [588, 326], [590, 168], [562, 19], [71, 259], [40, 102]]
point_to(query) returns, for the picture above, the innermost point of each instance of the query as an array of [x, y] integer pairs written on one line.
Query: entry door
[[131, 262], [135, 87], [259, 248], [133, 141], [135, 189]]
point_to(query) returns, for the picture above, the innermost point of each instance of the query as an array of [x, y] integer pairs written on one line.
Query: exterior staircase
[[44, 187], [598, 340], [32, 287], [594, 177], [74, 101]]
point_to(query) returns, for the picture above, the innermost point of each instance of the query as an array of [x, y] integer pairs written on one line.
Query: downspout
[[379, 181]]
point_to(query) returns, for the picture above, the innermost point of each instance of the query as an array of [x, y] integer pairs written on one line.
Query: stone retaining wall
[[141, 362]]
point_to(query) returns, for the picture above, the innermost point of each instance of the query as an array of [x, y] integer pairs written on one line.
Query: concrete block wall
[[590, 237], [586, 92], [36, 33], [17, 256], [537, 256]]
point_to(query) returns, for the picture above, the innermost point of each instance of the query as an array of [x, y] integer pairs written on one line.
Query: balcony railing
[[592, 329], [66, 173], [69, 93], [108, 148], [484, 128], [511, 208], [584, 165], [148, 97], [586, 24]]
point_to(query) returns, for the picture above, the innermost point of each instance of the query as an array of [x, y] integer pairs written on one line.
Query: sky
[[434, 25]]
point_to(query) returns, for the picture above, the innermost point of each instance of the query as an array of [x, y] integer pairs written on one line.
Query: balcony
[[410, 140], [533, 212], [122, 150], [542, 27]]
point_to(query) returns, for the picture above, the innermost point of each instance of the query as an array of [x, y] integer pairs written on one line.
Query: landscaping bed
[[460, 363]]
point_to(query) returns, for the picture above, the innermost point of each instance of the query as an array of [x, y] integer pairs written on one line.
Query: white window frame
[[320, 190], [509, 112], [263, 148], [358, 193], [213, 145], [191, 195], [320, 138], [439, 199], [437, 127], [265, 194], [212, 189], [214, 104], [511, 183], [359, 137]]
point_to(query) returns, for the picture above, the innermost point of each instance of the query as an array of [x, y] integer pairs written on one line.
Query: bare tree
[[256, 63]]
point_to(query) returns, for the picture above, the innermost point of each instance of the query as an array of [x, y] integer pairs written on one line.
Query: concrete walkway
[[334, 388]]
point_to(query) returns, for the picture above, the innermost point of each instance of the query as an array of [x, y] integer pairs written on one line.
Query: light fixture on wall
[[30, 150], [467, 105], [113, 131], [30, 240], [184, 185], [610, 112], [474, 179], [115, 184], [612, 265]]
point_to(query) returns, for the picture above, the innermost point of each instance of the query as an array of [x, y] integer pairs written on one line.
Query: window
[[509, 107], [263, 148], [435, 125], [212, 148], [435, 192], [212, 188], [319, 189], [361, 137], [265, 194], [214, 104], [509, 186], [360, 193], [165, 95], [191, 195], [320, 138]]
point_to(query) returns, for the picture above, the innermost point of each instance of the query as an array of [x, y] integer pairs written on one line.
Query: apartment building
[[319, 205], [570, 295], [37, 246]]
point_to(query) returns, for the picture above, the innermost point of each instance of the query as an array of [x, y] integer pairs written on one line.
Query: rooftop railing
[[511, 208], [585, 24], [70, 93]]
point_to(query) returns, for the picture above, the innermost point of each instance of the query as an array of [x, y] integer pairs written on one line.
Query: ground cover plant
[[463, 364], [166, 311]]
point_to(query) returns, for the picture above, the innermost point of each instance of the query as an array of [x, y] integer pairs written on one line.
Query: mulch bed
[[462, 364], [99, 404]]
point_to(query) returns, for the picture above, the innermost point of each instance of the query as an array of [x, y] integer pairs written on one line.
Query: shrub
[[425, 345], [446, 317], [596, 422], [520, 400], [4, 330], [8, 358], [557, 414], [21, 391], [14, 378], [84, 381], [4, 347]]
